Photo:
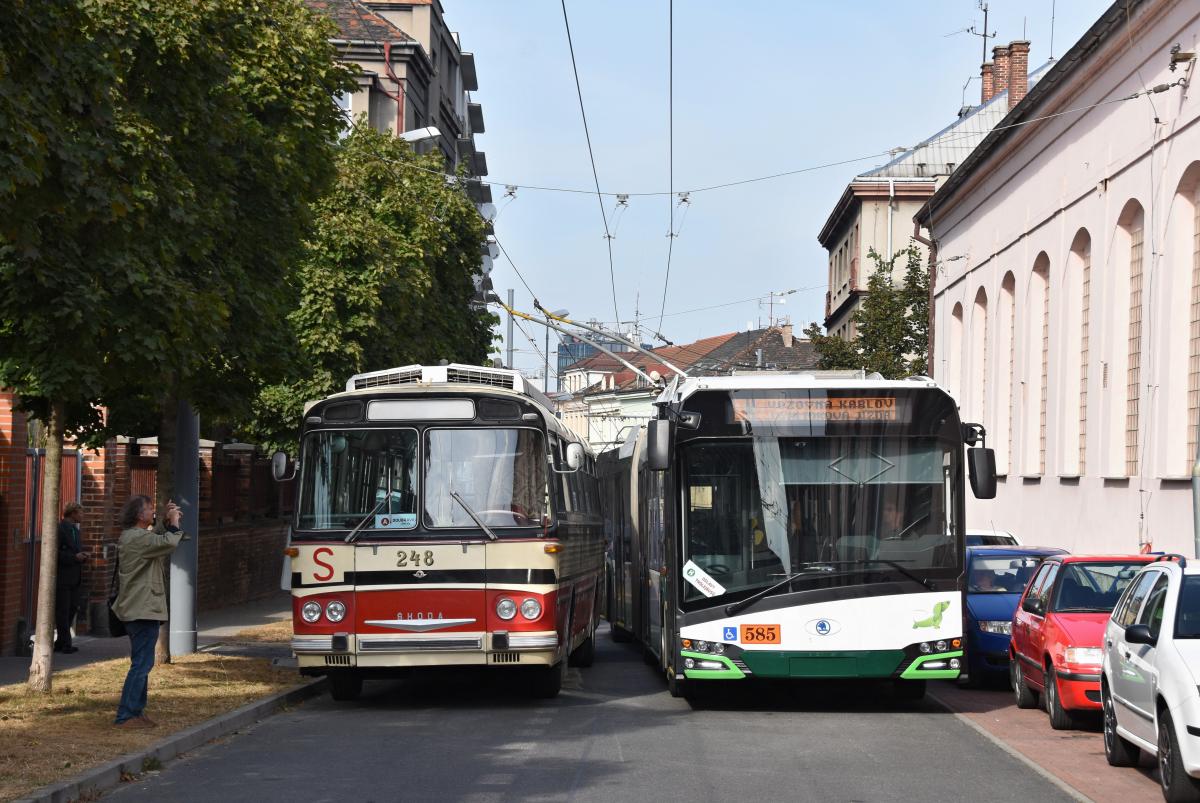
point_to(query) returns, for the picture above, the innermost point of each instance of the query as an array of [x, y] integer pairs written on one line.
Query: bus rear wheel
[[345, 686]]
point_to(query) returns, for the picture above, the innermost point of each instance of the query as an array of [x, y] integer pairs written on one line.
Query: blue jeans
[[143, 635]]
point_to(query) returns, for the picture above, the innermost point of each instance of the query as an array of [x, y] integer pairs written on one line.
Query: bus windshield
[[760, 508], [499, 473], [350, 475]]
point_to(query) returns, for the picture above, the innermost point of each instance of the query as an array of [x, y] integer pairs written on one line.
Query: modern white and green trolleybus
[[794, 526]]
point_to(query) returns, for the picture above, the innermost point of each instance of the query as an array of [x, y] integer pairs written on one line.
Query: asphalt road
[[613, 734]]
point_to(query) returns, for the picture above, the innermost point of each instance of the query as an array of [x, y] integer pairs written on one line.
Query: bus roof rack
[[452, 374], [1180, 559]]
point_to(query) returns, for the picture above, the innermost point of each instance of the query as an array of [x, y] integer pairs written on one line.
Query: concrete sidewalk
[[214, 627], [1075, 757]]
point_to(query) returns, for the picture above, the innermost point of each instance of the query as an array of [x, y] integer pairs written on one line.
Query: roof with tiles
[[358, 23]]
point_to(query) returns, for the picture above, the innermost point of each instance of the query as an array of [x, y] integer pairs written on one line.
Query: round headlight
[[689, 663], [531, 609], [335, 611], [506, 608], [941, 646], [718, 648], [955, 664], [702, 646], [311, 611], [925, 648]]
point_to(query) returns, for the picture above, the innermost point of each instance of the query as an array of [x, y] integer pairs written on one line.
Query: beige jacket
[[142, 586]]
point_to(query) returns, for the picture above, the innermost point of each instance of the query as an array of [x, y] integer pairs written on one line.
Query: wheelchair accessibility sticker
[[729, 634]]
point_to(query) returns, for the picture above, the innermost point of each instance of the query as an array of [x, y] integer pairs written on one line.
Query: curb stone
[[104, 777]]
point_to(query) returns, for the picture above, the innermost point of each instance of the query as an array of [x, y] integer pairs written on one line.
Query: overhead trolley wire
[[592, 157]]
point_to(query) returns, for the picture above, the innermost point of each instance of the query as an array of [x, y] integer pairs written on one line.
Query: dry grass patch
[[280, 632], [46, 738]]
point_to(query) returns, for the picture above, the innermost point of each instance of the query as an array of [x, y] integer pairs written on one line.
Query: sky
[[759, 88]]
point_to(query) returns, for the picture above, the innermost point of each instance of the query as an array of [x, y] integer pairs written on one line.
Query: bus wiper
[[474, 516], [353, 534], [890, 563], [734, 608]]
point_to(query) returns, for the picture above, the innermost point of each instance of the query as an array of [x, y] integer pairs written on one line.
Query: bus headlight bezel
[[311, 612], [531, 609], [335, 611], [506, 609]]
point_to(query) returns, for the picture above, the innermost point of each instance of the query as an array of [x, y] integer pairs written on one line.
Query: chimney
[[1000, 71], [1018, 81], [989, 88], [785, 332]]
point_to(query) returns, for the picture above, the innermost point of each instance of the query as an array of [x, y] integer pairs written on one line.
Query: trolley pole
[[509, 340]]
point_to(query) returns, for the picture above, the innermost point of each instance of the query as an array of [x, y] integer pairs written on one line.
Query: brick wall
[[13, 437], [240, 562]]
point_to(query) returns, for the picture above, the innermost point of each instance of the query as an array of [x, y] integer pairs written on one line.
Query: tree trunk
[[41, 666], [164, 491]]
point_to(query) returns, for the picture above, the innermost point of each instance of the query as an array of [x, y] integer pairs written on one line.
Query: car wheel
[[1177, 785], [1119, 752], [1025, 697], [1060, 718]]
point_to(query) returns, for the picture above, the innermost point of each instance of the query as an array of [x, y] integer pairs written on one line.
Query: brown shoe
[[137, 723], [149, 722]]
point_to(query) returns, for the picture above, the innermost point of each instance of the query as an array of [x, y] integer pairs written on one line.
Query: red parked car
[[1058, 629]]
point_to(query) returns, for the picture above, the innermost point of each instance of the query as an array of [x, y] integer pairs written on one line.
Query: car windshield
[[1004, 574], [760, 508], [499, 473], [1092, 587], [353, 477], [1187, 618]]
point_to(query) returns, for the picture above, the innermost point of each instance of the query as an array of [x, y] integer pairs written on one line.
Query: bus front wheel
[[345, 686], [908, 691], [547, 680]]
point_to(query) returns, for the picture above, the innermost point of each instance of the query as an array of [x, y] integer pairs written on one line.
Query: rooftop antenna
[[984, 33], [1053, 3]]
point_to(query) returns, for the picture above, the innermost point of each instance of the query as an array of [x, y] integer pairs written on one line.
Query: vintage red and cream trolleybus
[[444, 517]]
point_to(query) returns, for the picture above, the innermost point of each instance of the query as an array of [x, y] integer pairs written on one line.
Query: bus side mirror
[[279, 467], [658, 444], [981, 468], [574, 456]]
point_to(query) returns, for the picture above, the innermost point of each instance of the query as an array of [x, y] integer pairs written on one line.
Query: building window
[[1134, 373], [1085, 296], [1194, 345], [979, 357], [1006, 331], [1042, 385]]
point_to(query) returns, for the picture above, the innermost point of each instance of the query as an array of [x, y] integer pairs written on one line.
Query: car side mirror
[[1139, 634], [279, 467], [1032, 605], [658, 444], [981, 468]]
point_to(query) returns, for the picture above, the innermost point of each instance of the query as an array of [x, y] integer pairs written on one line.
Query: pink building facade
[[1066, 276]]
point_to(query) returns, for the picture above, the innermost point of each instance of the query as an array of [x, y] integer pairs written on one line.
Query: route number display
[[761, 634]]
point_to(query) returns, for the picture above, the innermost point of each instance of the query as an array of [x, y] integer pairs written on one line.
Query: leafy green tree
[[892, 324], [386, 278], [156, 162]]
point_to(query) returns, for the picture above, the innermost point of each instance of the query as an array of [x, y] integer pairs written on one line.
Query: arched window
[[1193, 405], [1179, 396], [1132, 222], [954, 378], [1037, 350], [1006, 329], [1077, 295], [977, 389]]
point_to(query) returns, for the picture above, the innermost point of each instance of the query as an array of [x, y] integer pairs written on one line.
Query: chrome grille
[[419, 645], [337, 660], [506, 658]]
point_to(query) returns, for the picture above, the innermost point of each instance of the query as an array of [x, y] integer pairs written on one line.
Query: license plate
[[760, 634]]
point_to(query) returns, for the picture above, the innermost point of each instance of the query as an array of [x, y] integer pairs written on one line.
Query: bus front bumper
[[907, 664]]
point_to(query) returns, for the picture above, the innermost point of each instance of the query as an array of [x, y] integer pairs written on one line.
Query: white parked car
[[1150, 688]]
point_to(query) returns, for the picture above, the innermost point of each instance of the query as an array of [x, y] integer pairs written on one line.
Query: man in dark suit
[[69, 583]]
